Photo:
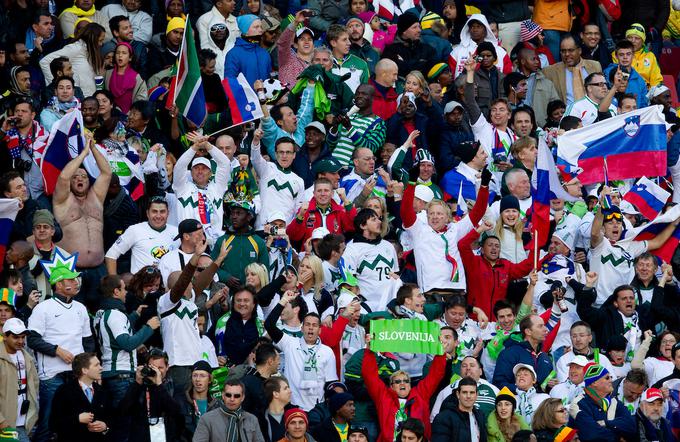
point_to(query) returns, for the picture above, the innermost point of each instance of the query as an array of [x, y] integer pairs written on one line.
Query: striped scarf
[[233, 423], [603, 402]]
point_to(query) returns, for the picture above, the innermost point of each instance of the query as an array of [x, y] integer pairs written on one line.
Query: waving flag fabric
[[545, 185], [65, 142], [188, 92], [243, 102], [634, 144], [648, 197], [654, 227], [9, 207]]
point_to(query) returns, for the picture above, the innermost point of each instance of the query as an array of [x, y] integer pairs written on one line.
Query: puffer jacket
[[453, 424], [248, 58]]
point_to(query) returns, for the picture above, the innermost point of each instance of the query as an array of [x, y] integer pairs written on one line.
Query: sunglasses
[[232, 395], [613, 215], [151, 270], [401, 381], [158, 199], [218, 27]]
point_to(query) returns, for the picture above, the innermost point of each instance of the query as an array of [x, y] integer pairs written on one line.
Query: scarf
[[524, 405], [114, 146], [79, 12], [603, 402], [16, 142], [408, 314], [61, 107], [233, 423], [400, 416], [121, 86], [631, 331], [310, 361], [455, 274]]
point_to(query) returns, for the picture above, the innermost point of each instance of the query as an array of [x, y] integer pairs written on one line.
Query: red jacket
[[486, 283], [384, 106], [387, 402], [332, 337], [339, 220]]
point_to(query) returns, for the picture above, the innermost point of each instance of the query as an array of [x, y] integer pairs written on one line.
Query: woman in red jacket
[[488, 273], [399, 402]]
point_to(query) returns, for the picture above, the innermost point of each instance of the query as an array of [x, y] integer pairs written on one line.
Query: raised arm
[[101, 184], [470, 100], [63, 187], [275, 314], [408, 215], [187, 274], [662, 237]]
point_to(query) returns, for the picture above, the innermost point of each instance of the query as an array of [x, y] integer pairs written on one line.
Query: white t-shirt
[[59, 324], [181, 339], [614, 265], [20, 363], [148, 245]]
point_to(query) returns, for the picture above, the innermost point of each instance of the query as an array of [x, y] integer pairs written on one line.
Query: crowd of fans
[[218, 283]]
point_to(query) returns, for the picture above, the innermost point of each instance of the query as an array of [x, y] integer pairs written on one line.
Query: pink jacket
[[290, 65]]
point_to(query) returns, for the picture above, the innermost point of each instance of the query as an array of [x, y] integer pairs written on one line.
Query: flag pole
[[229, 127], [181, 51], [535, 250]]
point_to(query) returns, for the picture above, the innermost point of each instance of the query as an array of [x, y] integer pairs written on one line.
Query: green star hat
[[348, 278], [60, 267]]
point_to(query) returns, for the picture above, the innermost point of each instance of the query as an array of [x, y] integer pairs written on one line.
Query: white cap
[[320, 232], [276, 215], [15, 326], [566, 236], [579, 360], [317, 125], [345, 298], [517, 367], [201, 160], [655, 91], [627, 208], [424, 193], [451, 105]]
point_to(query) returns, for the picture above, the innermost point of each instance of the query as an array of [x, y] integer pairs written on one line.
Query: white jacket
[[83, 73], [204, 24], [142, 23]]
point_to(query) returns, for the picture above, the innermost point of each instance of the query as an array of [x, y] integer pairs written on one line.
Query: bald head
[[386, 72], [226, 144], [19, 251]]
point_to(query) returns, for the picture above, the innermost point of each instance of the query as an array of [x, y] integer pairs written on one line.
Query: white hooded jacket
[[461, 52]]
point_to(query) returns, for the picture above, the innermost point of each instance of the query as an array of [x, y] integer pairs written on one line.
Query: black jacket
[[326, 431], [161, 405], [606, 320], [255, 401], [411, 56], [69, 401], [666, 306], [451, 424]]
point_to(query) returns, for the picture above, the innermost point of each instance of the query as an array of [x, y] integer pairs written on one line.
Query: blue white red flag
[[9, 207], [545, 186], [461, 205], [648, 197], [634, 144], [653, 228], [243, 102], [65, 142]]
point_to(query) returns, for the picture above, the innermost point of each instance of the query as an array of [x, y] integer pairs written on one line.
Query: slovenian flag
[[461, 204], [9, 207], [654, 227], [648, 197], [243, 102], [634, 144], [545, 186], [188, 86], [65, 142]]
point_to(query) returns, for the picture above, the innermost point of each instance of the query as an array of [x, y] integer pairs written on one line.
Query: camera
[[22, 165], [309, 13], [500, 158], [479, 59], [149, 374]]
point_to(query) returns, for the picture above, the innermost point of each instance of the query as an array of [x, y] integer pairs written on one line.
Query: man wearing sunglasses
[[613, 260], [587, 107]]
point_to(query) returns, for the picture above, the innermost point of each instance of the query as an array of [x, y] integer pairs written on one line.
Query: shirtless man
[[79, 209]]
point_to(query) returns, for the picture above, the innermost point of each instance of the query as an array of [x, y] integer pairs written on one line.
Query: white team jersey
[[562, 364], [173, 261], [614, 265], [657, 369], [179, 331], [59, 324], [566, 391], [331, 277], [372, 265], [148, 245], [586, 110], [307, 380], [429, 247], [110, 324]]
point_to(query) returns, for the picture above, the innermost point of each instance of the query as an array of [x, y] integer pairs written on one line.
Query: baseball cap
[[276, 215], [302, 30], [269, 23], [201, 160], [320, 232], [317, 125], [424, 193], [518, 367], [329, 164], [451, 105], [652, 394], [579, 360], [188, 226], [15, 326], [202, 366]]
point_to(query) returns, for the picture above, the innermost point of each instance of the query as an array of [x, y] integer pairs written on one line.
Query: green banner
[[406, 336]]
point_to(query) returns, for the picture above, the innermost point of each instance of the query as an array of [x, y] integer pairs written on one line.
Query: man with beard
[[359, 45], [79, 209], [140, 22], [650, 418], [90, 109], [361, 129]]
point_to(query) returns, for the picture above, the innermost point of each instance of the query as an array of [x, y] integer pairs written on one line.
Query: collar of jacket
[[113, 304]]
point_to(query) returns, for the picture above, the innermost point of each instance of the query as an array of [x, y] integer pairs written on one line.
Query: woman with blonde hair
[[256, 276], [509, 228], [379, 206], [310, 275], [504, 422]]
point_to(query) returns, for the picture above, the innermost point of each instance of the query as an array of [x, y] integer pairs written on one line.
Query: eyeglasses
[[600, 84], [285, 152], [568, 50], [613, 215], [401, 381], [232, 395]]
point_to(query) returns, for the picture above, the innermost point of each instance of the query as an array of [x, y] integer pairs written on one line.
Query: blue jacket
[[249, 58], [636, 85], [451, 138], [273, 132], [586, 414], [515, 353], [441, 46]]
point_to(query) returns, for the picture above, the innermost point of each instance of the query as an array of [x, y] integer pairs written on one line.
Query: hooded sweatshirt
[[461, 52]]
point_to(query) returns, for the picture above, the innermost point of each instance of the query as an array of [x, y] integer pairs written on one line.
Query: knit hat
[[175, 23], [292, 413], [487, 46], [509, 202], [109, 46], [338, 401], [127, 45], [637, 29], [436, 70], [43, 216], [565, 434], [245, 21], [361, 430], [467, 150], [506, 395], [405, 21], [201, 366], [429, 19], [354, 18], [594, 373], [367, 16], [423, 156], [529, 29]]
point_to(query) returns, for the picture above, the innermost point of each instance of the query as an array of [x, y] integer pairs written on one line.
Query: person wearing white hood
[[475, 31]]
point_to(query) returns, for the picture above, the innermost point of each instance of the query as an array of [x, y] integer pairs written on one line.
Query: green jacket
[[494, 433], [364, 407], [245, 249]]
